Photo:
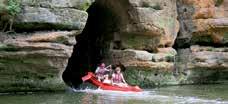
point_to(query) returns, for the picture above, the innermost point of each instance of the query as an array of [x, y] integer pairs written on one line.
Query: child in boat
[[107, 78], [100, 71], [117, 77]]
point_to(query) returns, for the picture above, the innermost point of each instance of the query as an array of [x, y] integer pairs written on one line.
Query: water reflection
[[209, 94]]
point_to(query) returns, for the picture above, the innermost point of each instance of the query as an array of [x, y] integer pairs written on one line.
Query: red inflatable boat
[[90, 77]]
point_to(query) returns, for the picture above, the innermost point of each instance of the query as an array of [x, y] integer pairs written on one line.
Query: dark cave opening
[[92, 44]]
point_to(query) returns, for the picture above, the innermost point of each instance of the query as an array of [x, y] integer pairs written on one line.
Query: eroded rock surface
[[140, 35], [209, 58], [202, 22], [34, 61], [144, 24], [52, 14]]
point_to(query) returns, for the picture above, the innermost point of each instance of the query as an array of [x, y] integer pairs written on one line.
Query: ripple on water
[[148, 96]]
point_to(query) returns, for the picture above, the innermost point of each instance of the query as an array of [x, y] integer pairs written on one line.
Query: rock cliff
[[52, 14], [34, 58], [155, 40]]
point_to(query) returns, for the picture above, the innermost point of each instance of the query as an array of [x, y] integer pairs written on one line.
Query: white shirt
[[107, 81]]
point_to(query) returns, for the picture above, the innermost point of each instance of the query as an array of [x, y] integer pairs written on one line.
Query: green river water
[[191, 94]]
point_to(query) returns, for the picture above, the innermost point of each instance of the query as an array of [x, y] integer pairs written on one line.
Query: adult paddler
[[100, 71], [117, 77]]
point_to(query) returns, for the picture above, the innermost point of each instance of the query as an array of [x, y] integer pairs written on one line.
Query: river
[[189, 94]]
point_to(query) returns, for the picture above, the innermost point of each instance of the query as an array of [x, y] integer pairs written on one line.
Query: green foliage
[[8, 9], [4, 47], [13, 7], [218, 2]]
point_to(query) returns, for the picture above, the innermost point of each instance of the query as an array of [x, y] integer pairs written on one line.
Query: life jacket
[[117, 78]]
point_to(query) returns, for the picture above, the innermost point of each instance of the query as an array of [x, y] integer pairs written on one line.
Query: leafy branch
[[9, 11]]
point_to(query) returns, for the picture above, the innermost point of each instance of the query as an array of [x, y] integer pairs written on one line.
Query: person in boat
[[117, 77], [107, 78], [100, 71]]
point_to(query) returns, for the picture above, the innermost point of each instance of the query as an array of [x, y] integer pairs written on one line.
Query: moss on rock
[[147, 78], [150, 78], [8, 47], [28, 74]]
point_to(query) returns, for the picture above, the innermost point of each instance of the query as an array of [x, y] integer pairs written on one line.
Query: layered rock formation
[[49, 15], [140, 35], [52, 14], [34, 61], [203, 22], [144, 24], [202, 39], [34, 58]]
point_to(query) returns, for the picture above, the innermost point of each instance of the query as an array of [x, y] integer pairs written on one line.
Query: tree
[[8, 11]]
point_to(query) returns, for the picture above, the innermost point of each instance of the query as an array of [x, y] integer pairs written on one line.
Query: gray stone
[[142, 55], [52, 15], [143, 59], [59, 18], [78, 4], [202, 57]]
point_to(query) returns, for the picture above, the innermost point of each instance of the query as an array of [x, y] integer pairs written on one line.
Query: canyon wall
[[160, 43]]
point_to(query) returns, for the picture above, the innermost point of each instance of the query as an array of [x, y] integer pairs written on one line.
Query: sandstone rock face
[[154, 22], [202, 40], [144, 59], [209, 58], [139, 34], [52, 14], [195, 65], [202, 22], [34, 61], [202, 64]]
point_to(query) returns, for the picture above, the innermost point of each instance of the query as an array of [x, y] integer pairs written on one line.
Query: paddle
[[85, 78]]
